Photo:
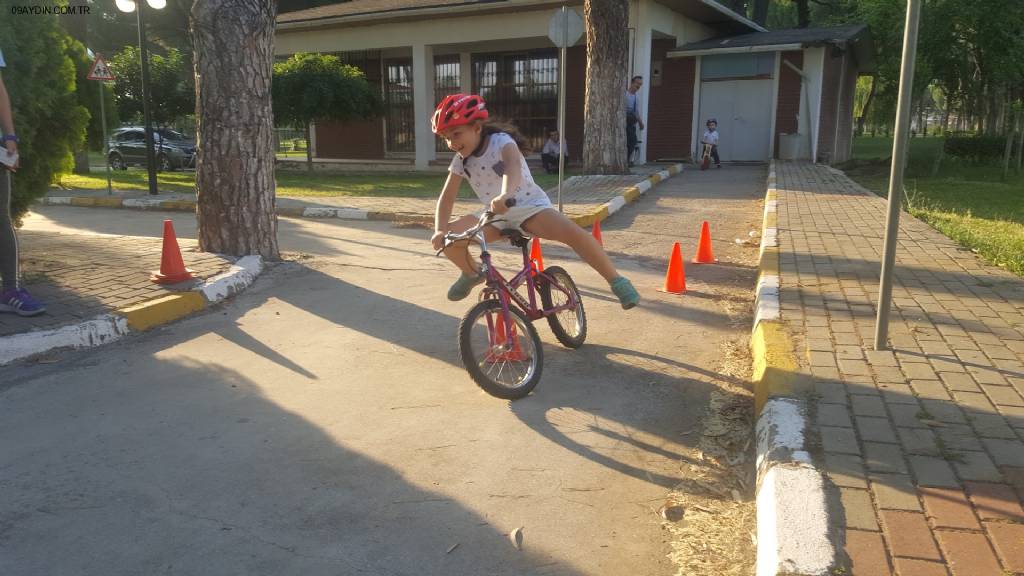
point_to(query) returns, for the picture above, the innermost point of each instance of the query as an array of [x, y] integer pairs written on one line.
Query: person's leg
[[8, 240], [458, 253], [553, 225], [549, 162], [714, 154]]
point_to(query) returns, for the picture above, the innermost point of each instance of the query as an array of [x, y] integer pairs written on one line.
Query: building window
[[736, 66], [521, 88], [400, 120], [447, 81]]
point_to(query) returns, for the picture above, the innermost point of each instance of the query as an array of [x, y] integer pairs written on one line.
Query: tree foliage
[[40, 77], [309, 87], [171, 88]]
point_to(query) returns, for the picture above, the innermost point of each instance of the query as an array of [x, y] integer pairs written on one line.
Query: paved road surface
[[321, 423]]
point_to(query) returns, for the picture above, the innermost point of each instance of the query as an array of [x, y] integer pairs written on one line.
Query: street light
[[129, 6]]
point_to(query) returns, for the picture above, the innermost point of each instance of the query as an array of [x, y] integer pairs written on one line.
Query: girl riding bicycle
[[489, 155]]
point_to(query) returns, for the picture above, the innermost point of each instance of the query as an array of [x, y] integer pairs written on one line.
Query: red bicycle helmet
[[458, 110]]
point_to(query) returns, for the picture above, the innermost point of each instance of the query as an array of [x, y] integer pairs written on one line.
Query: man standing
[[633, 116], [13, 298]]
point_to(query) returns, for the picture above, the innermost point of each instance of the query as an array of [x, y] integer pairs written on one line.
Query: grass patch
[[970, 203], [295, 183]]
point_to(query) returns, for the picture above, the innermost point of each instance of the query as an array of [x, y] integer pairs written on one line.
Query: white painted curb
[[332, 212], [233, 281], [792, 523], [793, 531], [99, 330], [110, 327], [57, 200]]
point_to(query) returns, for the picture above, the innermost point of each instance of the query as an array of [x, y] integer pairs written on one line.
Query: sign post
[[564, 30], [101, 72], [899, 152]]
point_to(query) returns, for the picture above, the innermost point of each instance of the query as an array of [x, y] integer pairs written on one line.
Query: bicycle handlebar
[[485, 219]]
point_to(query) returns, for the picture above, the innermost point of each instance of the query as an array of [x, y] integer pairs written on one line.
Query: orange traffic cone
[[500, 339], [172, 267], [597, 232], [675, 278], [704, 253], [536, 256]]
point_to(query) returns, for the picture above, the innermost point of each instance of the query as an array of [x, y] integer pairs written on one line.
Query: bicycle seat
[[516, 237]]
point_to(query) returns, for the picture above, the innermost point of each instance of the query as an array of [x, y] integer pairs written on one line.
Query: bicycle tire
[[563, 334], [473, 364]]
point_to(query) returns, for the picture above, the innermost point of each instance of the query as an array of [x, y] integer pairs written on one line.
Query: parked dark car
[[173, 150]]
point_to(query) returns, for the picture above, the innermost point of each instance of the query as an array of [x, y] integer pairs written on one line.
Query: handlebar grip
[[510, 202]]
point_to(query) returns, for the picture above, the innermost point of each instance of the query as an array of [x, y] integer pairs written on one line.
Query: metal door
[[743, 111]]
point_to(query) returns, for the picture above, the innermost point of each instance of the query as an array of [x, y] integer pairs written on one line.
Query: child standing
[[489, 155], [711, 137]]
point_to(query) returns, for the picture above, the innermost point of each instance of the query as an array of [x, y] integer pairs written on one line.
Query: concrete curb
[[793, 530], [138, 318], [630, 194]]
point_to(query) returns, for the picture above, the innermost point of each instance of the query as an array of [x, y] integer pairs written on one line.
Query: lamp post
[[139, 7]]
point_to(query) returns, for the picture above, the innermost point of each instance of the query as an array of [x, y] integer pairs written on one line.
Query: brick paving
[[581, 195], [926, 441], [80, 277]]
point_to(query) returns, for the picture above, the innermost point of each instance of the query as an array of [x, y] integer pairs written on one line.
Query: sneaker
[[628, 296], [20, 302], [463, 286]]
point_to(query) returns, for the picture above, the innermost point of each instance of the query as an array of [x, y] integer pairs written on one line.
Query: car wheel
[[117, 161], [164, 163]]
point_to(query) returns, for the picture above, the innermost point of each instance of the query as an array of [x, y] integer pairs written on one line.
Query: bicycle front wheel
[[505, 361]]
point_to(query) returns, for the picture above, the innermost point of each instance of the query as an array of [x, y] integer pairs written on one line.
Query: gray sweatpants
[[8, 240]]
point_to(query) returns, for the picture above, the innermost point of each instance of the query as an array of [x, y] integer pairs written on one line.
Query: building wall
[[670, 109], [357, 140], [789, 97], [830, 92]]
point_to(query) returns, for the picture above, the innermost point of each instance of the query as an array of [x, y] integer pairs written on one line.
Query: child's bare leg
[[557, 227], [458, 253]]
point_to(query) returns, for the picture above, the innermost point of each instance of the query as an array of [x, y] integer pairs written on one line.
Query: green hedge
[[976, 148]]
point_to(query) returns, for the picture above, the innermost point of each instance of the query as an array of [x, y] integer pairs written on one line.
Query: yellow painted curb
[[631, 194], [654, 178], [776, 369], [92, 201], [162, 310], [182, 205], [290, 211]]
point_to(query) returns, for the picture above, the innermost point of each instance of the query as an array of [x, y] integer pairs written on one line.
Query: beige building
[[417, 51]]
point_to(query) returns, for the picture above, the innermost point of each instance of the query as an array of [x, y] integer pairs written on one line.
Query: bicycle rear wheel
[[569, 326], [504, 367]]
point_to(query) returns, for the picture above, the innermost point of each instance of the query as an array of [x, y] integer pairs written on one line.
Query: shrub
[[975, 148]]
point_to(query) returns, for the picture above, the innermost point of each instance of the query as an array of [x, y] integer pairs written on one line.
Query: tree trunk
[[867, 106], [1008, 150], [761, 11], [604, 126], [81, 162], [234, 56], [1020, 137], [309, 151], [803, 13]]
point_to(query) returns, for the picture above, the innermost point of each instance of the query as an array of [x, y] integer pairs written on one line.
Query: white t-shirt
[[485, 173], [710, 137]]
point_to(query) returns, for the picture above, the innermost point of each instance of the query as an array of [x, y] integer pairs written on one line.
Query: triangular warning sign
[[100, 70]]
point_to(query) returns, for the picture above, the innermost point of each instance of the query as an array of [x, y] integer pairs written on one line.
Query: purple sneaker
[[19, 301]]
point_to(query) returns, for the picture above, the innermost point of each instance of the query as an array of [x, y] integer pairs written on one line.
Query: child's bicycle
[[706, 157], [500, 347]]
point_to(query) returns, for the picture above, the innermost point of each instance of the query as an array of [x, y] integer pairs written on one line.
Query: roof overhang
[[714, 14], [402, 14], [735, 50]]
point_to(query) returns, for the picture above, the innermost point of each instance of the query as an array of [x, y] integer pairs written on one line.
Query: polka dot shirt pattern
[[485, 172]]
